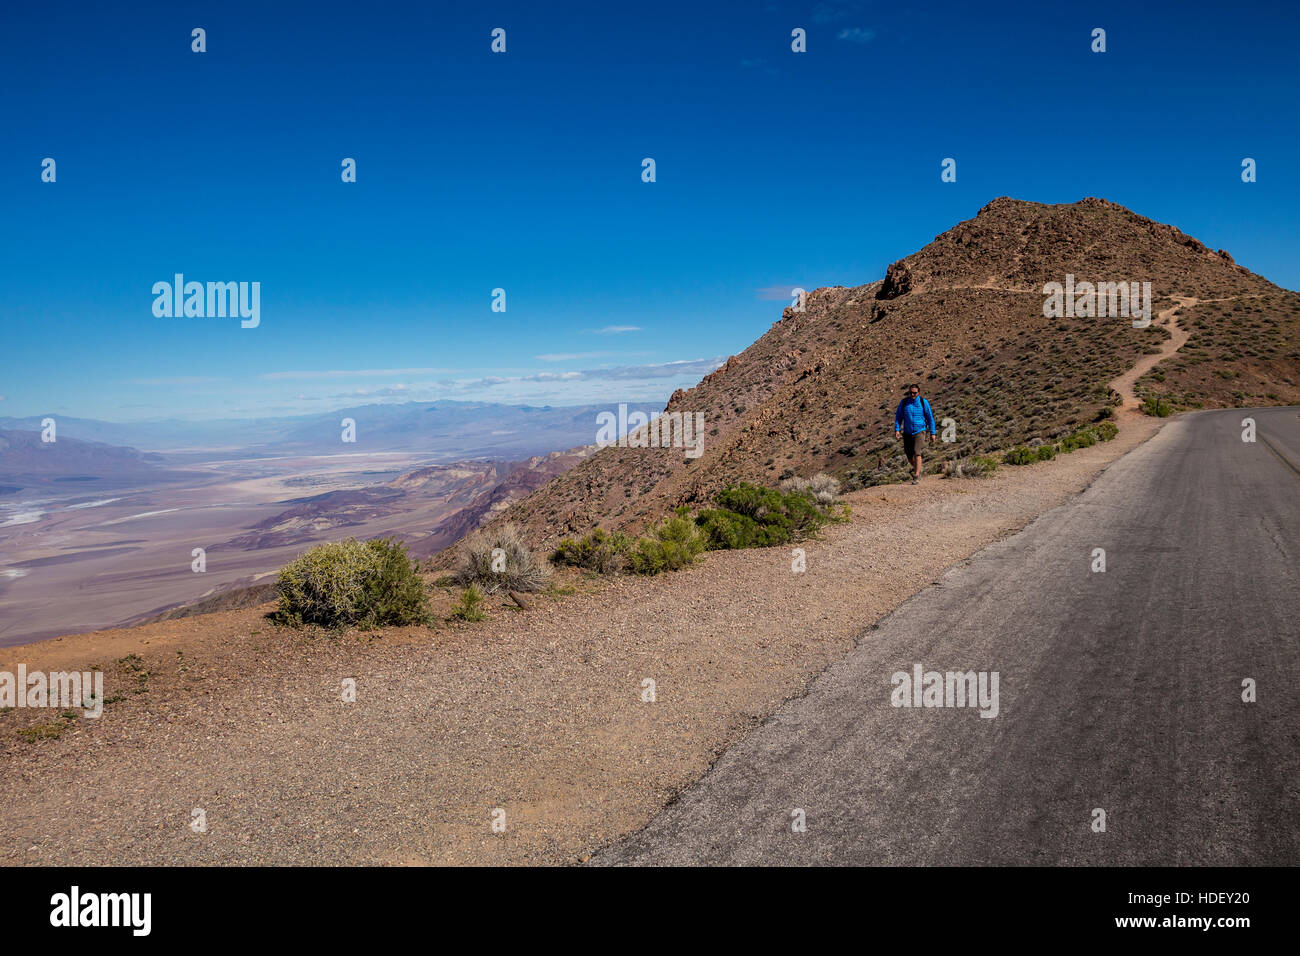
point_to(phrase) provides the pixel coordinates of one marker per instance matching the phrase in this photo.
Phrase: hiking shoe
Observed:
(916, 480)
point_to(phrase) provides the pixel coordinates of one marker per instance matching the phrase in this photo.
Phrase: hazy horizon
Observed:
(266, 416)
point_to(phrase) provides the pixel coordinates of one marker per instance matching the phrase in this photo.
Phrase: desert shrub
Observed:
(603, 551)
(498, 560)
(728, 529)
(672, 544)
(1083, 438)
(1086, 437)
(470, 605)
(976, 466)
(1020, 456)
(352, 583)
(1046, 452)
(1155, 405)
(823, 487)
(786, 514)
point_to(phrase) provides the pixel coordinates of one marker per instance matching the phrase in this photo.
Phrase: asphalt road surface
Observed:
(1120, 691)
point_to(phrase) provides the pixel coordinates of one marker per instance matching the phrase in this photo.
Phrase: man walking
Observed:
(912, 420)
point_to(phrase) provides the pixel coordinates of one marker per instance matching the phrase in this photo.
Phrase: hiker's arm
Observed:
(929, 413)
(898, 418)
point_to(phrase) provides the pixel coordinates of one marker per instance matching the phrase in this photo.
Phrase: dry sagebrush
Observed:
(822, 487)
(498, 560)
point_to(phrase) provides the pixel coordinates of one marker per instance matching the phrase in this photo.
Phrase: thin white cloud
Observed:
(856, 35)
(688, 367)
(617, 329)
(652, 382)
(775, 293)
(828, 12)
(571, 356)
(353, 373)
(180, 380)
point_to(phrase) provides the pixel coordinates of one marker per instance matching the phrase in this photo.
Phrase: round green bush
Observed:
(352, 584)
(672, 544)
(602, 551)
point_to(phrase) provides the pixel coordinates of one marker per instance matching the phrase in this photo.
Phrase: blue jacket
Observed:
(914, 415)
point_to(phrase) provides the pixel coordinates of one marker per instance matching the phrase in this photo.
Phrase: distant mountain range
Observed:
(444, 430)
(26, 461)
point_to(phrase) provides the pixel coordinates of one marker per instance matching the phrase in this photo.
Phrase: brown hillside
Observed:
(1242, 352)
(964, 315)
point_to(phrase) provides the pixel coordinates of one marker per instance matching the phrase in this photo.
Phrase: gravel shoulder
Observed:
(538, 712)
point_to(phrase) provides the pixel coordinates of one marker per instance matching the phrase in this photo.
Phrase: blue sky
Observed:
(522, 171)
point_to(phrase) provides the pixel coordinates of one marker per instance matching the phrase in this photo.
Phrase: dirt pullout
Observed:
(538, 713)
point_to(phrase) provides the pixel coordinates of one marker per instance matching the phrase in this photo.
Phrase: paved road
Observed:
(1119, 690)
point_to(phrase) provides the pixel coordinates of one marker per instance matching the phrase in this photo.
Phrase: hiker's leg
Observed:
(918, 466)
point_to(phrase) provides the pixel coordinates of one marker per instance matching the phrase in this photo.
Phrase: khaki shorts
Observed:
(913, 445)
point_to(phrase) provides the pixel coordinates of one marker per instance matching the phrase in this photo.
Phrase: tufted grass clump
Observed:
(352, 584)
(823, 487)
(499, 560)
(976, 466)
(470, 605)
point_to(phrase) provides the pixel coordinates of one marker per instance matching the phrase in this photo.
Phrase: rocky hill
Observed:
(965, 317)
